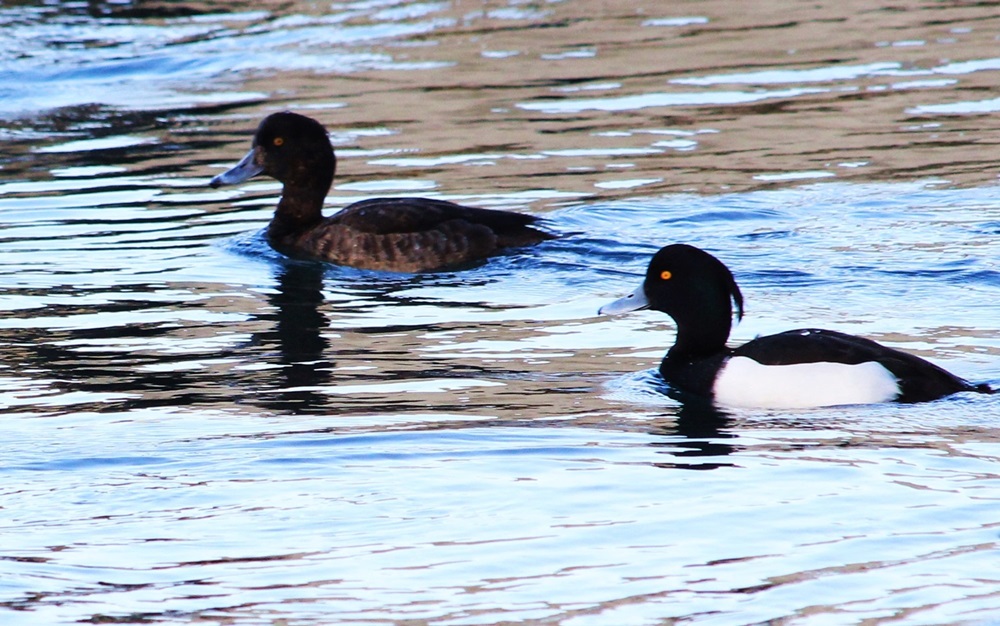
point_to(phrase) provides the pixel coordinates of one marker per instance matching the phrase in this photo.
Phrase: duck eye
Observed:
(666, 275)
(278, 141)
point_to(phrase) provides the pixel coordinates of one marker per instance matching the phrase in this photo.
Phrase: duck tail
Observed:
(982, 388)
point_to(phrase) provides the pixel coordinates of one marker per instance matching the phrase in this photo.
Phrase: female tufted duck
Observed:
(393, 234)
(794, 369)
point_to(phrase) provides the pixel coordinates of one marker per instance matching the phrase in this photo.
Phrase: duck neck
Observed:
(299, 209)
(701, 334)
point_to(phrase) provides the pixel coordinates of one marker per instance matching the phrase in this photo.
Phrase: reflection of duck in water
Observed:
(704, 439)
(296, 340)
(298, 320)
(794, 369)
(394, 234)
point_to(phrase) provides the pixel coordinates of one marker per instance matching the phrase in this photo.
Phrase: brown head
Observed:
(295, 150)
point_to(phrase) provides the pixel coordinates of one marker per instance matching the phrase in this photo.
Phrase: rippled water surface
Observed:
(198, 430)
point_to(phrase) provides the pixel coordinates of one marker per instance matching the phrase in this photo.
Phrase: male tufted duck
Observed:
(794, 369)
(393, 234)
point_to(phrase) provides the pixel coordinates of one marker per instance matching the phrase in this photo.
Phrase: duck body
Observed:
(406, 235)
(795, 369)
(391, 234)
(810, 368)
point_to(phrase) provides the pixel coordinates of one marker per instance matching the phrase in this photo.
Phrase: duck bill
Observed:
(635, 301)
(247, 168)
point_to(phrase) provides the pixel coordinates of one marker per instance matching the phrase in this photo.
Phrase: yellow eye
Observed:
(278, 141)
(666, 275)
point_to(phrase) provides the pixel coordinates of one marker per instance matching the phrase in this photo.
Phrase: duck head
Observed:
(694, 288)
(292, 148)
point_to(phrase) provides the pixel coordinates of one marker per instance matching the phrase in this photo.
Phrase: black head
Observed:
(694, 288)
(289, 147)
(684, 277)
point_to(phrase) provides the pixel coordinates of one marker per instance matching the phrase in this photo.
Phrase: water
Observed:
(199, 430)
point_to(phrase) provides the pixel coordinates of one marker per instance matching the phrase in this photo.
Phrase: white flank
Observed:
(743, 382)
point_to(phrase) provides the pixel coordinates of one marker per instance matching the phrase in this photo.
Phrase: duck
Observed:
(390, 234)
(796, 369)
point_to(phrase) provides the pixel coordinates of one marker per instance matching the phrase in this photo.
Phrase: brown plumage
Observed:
(393, 234)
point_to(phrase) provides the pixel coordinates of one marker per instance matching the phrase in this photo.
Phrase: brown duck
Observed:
(392, 234)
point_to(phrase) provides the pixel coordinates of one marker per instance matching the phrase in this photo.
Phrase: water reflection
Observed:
(697, 435)
(296, 331)
(114, 361)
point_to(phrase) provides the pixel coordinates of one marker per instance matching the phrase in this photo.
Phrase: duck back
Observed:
(410, 235)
